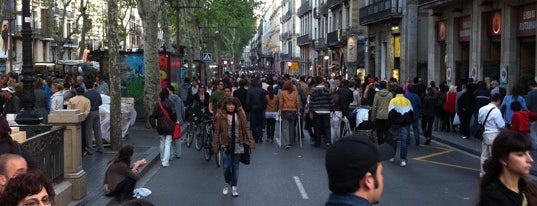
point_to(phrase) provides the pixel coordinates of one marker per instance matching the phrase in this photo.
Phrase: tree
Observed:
(149, 10)
(113, 69)
(235, 21)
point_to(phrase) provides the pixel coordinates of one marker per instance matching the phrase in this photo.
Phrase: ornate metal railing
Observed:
(303, 9)
(46, 150)
(381, 10)
(333, 3)
(304, 40)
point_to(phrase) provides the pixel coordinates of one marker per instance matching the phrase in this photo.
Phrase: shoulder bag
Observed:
(481, 129)
(177, 131)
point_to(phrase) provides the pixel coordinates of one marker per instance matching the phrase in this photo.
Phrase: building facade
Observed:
(481, 39)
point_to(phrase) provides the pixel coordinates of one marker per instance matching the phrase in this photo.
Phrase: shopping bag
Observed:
(177, 132)
(456, 120)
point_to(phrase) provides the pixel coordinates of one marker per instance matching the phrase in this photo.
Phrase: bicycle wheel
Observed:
(190, 135)
(207, 148)
(199, 142)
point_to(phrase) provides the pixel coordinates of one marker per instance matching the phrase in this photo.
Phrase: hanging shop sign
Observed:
(494, 20)
(441, 31)
(465, 29)
(503, 74)
(526, 20)
(449, 73)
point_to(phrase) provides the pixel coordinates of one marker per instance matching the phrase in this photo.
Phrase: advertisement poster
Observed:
(4, 42)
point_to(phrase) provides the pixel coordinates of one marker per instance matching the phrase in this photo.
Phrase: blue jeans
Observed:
(400, 132)
(416, 129)
(230, 164)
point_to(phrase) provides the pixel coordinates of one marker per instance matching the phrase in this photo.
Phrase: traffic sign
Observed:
(207, 57)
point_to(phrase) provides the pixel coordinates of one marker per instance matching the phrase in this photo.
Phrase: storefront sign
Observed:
(441, 31)
(351, 49)
(449, 73)
(465, 29)
(526, 20)
(494, 23)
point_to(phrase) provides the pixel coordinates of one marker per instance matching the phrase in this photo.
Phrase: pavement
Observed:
(146, 145)
(470, 145)
(146, 142)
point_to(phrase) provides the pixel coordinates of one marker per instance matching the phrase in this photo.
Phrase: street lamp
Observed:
(326, 58)
(289, 67)
(28, 113)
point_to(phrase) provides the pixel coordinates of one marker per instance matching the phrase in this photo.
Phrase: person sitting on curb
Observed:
(119, 179)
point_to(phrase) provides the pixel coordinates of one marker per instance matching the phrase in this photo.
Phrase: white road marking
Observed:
(301, 188)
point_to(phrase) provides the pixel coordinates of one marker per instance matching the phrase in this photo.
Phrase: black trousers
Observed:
(383, 132)
(427, 126)
(271, 126)
(123, 190)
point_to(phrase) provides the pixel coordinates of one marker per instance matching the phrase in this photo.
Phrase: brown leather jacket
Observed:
(221, 133)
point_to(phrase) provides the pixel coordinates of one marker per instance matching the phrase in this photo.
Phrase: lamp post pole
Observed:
(28, 114)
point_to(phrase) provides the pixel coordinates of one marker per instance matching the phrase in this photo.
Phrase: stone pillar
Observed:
(510, 47)
(73, 171)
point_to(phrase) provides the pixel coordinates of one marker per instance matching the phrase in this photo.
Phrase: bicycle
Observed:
(195, 130)
(206, 135)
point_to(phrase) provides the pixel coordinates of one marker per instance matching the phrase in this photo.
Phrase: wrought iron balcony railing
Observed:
(334, 3)
(320, 44)
(304, 40)
(379, 11)
(333, 38)
(303, 9)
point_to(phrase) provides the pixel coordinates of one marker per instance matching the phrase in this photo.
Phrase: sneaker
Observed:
(234, 191)
(392, 159)
(225, 191)
(403, 163)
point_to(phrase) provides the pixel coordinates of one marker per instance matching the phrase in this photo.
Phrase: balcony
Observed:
(71, 43)
(432, 4)
(334, 38)
(320, 44)
(284, 56)
(334, 3)
(303, 40)
(284, 36)
(380, 11)
(303, 9)
(286, 17)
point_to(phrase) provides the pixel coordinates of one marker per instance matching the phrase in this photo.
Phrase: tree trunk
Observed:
(166, 30)
(84, 14)
(149, 11)
(115, 81)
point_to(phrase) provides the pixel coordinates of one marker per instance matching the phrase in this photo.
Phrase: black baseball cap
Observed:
(355, 155)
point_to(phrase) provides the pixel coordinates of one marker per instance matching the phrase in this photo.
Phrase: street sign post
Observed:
(207, 57)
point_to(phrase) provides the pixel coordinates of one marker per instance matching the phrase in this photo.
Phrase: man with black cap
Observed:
(354, 167)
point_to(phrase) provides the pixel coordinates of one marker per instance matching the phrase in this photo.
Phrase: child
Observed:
(520, 122)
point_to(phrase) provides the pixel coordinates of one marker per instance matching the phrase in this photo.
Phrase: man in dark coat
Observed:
(256, 102)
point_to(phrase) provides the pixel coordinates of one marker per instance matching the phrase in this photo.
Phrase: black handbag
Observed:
(245, 157)
(481, 129)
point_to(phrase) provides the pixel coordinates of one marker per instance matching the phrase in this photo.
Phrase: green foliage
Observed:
(234, 19)
(135, 87)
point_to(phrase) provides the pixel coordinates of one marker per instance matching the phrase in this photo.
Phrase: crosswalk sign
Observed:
(207, 57)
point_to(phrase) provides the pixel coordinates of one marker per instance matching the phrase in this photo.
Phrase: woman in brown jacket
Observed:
(230, 133)
(289, 105)
(271, 111)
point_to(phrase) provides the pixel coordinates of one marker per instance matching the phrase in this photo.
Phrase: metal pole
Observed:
(28, 114)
